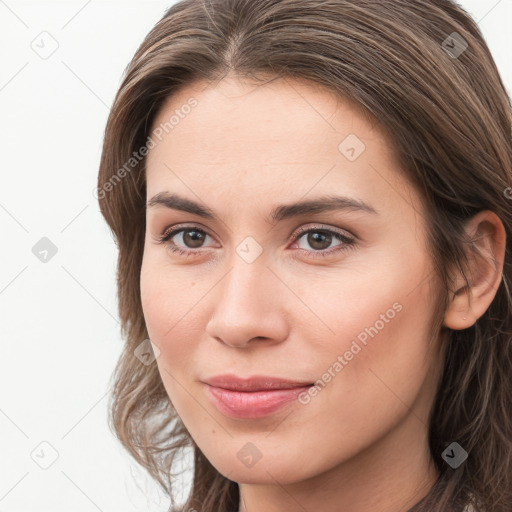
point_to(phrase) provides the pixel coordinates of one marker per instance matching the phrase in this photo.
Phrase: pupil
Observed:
(196, 238)
(316, 237)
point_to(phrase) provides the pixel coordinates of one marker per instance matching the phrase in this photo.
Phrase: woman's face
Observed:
(339, 293)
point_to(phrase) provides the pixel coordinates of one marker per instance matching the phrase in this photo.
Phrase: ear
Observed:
(486, 254)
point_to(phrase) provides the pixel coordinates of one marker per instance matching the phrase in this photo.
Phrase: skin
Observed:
(361, 443)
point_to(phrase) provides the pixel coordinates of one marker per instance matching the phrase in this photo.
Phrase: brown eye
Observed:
(186, 240)
(193, 238)
(319, 240)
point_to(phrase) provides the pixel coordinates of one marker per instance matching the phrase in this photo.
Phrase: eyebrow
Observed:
(279, 213)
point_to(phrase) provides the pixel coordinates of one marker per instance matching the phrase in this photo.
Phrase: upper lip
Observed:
(255, 383)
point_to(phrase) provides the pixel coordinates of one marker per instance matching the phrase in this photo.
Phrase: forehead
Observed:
(243, 110)
(281, 137)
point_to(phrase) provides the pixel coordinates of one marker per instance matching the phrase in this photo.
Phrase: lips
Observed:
(252, 398)
(256, 383)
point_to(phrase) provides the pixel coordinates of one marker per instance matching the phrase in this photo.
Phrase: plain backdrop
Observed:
(61, 65)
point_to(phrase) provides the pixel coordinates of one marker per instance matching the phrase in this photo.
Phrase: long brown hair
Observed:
(424, 71)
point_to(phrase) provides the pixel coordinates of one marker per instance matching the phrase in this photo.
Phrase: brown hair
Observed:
(449, 115)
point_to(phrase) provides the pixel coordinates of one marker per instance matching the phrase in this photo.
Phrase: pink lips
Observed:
(252, 398)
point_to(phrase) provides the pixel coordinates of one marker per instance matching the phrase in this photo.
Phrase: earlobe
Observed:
(486, 254)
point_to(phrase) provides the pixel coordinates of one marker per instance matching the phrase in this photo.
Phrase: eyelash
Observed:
(348, 242)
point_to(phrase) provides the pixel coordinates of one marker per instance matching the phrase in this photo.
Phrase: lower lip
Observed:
(252, 405)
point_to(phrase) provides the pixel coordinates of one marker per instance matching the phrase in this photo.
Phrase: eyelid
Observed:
(179, 227)
(172, 231)
(299, 231)
(347, 239)
(320, 227)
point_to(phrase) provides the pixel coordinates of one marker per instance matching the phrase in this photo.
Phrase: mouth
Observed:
(252, 398)
(256, 383)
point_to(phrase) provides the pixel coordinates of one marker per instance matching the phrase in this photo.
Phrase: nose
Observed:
(250, 305)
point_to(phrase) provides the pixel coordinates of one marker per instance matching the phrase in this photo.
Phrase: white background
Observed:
(59, 327)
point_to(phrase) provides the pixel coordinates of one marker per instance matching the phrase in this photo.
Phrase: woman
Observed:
(312, 204)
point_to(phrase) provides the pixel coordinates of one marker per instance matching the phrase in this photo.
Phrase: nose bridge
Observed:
(245, 292)
(246, 285)
(247, 304)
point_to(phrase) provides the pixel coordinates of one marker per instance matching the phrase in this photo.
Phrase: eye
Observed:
(191, 239)
(321, 239)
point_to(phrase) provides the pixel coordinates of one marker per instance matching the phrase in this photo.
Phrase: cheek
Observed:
(168, 294)
(166, 298)
(173, 303)
(163, 309)
(386, 360)
(378, 352)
